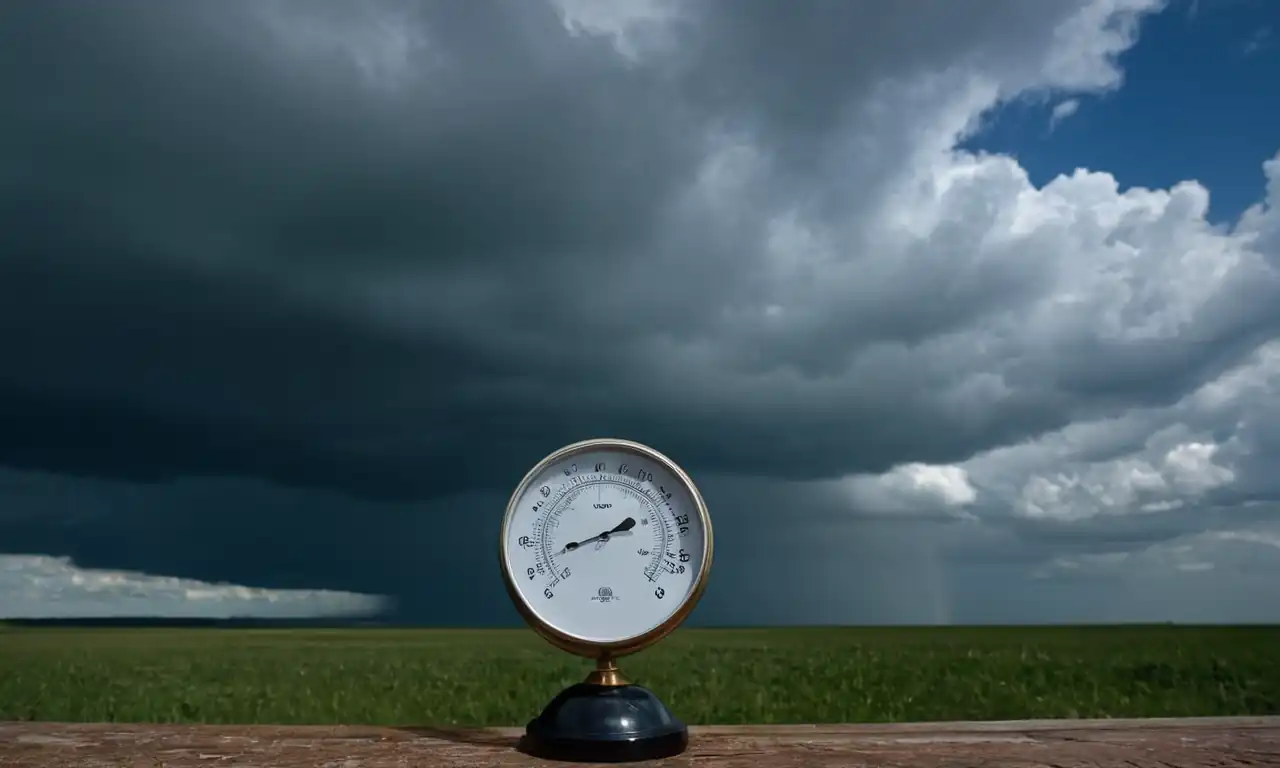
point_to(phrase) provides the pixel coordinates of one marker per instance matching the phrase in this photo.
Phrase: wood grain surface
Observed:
(1223, 742)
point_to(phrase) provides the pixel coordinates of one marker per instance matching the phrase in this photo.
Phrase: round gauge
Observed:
(606, 547)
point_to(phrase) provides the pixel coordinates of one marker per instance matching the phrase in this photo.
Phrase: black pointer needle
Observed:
(625, 525)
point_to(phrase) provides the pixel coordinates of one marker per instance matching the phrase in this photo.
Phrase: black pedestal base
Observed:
(605, 724)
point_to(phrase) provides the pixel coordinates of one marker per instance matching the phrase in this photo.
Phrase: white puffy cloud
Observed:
(1125, 486)
(1062, 110)
(912, 489)
(41, 586)
(1131, 281)
(1212, 447)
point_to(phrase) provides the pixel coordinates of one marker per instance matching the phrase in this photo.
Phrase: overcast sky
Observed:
(292, 292)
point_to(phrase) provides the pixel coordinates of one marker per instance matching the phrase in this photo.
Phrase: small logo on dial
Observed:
(604, 595)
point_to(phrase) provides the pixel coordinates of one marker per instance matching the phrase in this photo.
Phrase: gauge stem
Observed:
(607, 673)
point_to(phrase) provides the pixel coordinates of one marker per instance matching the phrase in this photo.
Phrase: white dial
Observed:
(604, 542)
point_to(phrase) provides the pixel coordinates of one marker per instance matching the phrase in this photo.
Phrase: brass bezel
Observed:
(604, 652)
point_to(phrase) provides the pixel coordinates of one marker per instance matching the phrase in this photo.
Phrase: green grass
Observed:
(500, 677)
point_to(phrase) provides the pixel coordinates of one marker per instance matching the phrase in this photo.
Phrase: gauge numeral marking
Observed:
(524, 541)
(683, 522)
(532, 573)
(564, 574)
(660, 593)
(572, 469)
(548, 593)
(643, 552)
(644, 477)
(684, 556)
(599, 466)
(545, 491)
(622, 469)
(665, 493)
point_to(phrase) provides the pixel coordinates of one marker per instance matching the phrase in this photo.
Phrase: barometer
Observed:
(605, 550)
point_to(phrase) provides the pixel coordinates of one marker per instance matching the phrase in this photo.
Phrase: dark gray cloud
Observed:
(292, 292)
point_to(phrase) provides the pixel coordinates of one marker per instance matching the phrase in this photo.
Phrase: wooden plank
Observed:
(1175, 743)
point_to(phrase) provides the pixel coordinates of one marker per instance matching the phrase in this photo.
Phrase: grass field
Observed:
(503, 677)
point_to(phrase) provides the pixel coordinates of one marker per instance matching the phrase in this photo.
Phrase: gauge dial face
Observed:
(605, 543)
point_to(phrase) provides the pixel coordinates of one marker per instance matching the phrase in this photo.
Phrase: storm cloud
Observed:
(292, 293)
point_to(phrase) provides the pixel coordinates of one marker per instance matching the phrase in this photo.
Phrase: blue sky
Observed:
(1200, 100)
